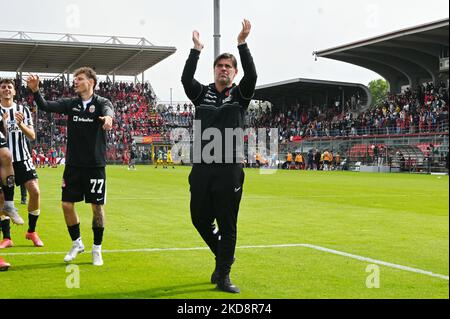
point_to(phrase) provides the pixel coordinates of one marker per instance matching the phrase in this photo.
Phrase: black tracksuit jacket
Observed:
(220, 110)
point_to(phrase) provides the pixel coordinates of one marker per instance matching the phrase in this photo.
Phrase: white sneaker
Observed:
(12, 212)
(76, 249)
(97, 259)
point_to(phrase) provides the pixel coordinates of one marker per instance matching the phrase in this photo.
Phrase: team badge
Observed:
(91, 109)
(63, 183)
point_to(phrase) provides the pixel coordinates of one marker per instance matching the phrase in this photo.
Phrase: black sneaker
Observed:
(226, 285)
(23, 201)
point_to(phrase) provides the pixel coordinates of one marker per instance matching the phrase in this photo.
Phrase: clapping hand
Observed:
(196, 39)
(246, 27)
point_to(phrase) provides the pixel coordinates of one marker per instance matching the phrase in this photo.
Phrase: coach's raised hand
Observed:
(196, 39)
(33, 82)
(246, 27)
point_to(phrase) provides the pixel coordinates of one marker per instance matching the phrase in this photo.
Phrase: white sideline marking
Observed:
(332, 251)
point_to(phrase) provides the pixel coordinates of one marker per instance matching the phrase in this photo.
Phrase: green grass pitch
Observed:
(396, 218)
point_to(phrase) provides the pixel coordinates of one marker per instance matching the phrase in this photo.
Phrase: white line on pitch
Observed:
(379, 262)
(332, 251)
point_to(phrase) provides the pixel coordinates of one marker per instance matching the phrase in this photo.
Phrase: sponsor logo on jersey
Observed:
(82, 119)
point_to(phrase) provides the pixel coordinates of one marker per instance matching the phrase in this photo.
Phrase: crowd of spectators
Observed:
(137, 113)
(424, 110)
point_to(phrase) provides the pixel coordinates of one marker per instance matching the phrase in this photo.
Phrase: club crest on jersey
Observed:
(92, 109)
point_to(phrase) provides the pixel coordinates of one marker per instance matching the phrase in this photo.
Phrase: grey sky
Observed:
(283, 36)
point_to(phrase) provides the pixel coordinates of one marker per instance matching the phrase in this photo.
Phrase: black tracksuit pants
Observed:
(216, 191)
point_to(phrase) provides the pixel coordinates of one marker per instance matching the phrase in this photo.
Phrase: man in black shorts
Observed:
(19, 126)
(89, 116)
(216, 186)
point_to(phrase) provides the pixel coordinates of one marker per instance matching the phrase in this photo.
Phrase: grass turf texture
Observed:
(397, 218)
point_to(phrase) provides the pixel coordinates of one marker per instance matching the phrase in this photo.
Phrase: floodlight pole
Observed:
(216, 28)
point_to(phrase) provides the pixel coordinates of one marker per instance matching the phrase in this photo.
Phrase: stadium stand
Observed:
(422, 113)
(408, 130)
(55, 60)
(411, 126)
(136, 114)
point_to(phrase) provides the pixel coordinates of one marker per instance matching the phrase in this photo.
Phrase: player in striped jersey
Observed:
(7, 209)
(20, 127)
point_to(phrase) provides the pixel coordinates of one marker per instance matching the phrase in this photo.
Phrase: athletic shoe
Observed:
(4, 265)
(6, 243)
(23, 201)
(225, 284)
(97, 259)
(12, 212)
(35, 238)
(77, 248)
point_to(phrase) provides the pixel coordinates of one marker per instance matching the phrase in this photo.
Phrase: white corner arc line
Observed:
(315, 247)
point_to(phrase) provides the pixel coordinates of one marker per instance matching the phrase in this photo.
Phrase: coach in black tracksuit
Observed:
(89, 116)
(216, 181)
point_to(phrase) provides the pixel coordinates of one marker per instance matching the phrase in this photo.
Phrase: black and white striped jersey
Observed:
(16, 139)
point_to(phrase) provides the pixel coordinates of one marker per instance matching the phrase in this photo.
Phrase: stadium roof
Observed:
(403, 57)
(25, 54)
(309, 91)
